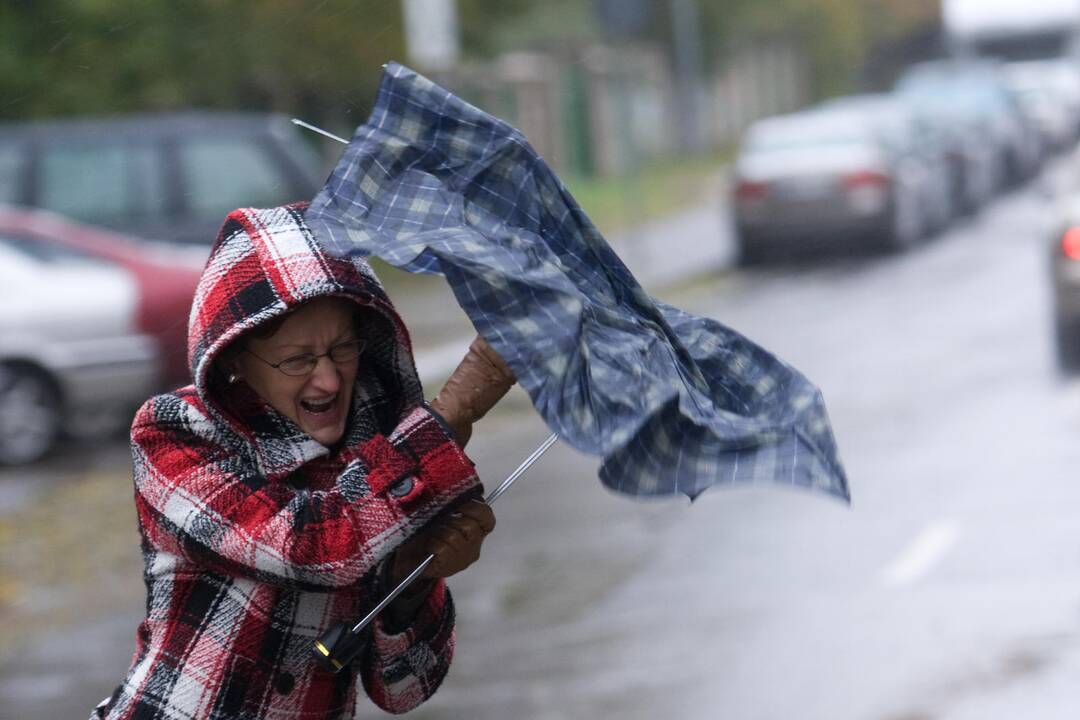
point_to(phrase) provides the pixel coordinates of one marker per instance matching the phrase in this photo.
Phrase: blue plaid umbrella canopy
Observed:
(672, 402)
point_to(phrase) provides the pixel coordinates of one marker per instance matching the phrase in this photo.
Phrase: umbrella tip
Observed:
(309, 126)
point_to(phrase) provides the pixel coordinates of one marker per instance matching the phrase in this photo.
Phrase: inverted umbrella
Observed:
(671, 402)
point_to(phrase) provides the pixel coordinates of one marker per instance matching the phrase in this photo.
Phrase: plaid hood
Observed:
(266, 263)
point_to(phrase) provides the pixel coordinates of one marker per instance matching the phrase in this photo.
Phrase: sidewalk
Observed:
(660, 254)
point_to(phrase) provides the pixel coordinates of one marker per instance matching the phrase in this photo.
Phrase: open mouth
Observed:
(318, 408)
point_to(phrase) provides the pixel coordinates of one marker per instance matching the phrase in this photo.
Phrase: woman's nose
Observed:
(325, 376)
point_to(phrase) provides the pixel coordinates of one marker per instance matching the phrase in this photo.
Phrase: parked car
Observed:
(821, 176)
(974, 95)
(166, 177)
(915, 143)
(1049, 93)
(91, 324)
(1064, 251)
(973, 169)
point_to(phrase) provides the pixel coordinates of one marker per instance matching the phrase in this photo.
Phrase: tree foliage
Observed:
(322, 58)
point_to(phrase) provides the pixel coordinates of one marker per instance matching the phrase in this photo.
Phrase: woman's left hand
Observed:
(454, 540)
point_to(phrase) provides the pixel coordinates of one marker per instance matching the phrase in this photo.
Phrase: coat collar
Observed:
(278, 444)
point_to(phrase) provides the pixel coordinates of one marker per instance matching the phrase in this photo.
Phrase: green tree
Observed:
(322, 59)
(63, 57)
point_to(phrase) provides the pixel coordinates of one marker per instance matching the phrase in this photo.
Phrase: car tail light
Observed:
(1070, 243)
(750, 190)
(865, 178)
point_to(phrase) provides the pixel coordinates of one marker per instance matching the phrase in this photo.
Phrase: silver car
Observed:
(1048, 92)
(69, 351)
(914, 141)
(822, 177)
(975, 95)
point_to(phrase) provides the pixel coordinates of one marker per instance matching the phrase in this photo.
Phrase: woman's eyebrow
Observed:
(339, 337)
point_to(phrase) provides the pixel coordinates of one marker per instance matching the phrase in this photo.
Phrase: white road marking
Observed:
(925, 551)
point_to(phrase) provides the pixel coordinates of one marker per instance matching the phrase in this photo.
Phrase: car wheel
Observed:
(750, 257)
(898, 232)
(1068, 346)
(749, 249)
(29, 415)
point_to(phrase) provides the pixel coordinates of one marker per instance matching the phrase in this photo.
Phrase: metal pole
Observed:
(686, 38)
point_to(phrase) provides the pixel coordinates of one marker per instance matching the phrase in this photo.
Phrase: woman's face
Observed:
(319, 401)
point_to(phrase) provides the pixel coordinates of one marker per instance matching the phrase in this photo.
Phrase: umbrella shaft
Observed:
(393, 594)
(490, 500)
(505, 484)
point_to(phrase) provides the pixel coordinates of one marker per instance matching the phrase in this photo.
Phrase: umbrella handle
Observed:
(337, 647)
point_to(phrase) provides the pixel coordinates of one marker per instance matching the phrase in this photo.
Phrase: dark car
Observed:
(169, 177)
(1064, 249)
(1065, 272)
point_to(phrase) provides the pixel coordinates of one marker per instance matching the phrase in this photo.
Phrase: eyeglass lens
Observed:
(303, 364)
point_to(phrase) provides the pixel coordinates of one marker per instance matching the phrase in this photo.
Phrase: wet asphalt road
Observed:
(949, 590)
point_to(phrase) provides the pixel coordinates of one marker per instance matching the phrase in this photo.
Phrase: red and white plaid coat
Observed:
(257, 538)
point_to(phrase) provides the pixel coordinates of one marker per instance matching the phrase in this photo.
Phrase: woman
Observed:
(298, 479)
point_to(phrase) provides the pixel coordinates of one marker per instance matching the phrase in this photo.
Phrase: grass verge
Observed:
(655, 191)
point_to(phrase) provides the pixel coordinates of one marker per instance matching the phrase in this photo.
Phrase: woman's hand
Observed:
(480, 381)
(454, 540)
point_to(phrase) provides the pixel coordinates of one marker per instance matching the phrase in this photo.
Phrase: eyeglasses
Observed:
(300, 365)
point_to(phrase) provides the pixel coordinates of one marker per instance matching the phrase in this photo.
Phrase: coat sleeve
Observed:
(199, 497)
(402, 670)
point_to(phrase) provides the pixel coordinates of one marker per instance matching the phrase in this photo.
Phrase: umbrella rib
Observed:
(308, 126)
